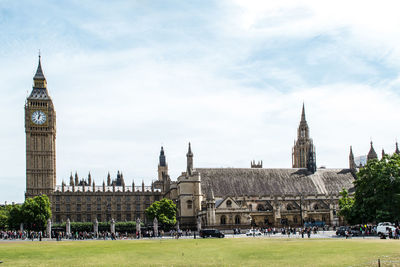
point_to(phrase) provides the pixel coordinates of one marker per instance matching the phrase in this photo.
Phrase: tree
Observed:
(4, 214)
(35, 212)
(377, 194)
(164, 210)
(14, 216)
(346, 204)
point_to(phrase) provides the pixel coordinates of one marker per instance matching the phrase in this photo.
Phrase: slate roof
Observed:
(39, 93)
(272, 182)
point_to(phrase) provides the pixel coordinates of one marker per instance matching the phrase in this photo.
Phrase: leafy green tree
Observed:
(377, 195)
(4, 214)
(15, 217)
(346, 204)
(164, 210)
(35, 212)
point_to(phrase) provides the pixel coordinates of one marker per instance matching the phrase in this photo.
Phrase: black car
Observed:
(341, 231)
(211, 233)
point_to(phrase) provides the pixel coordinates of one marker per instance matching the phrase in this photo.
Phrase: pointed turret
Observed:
(39, 72)
(300, 151)
(397, 151)
(76, 178)
(162, 158)
(71, 180)
(303, 114)
(89, 179)
(39, 84)
(352, 163)
(108, 179)
(383, 153)
(162, 165)
(189, 157)
(371, 154)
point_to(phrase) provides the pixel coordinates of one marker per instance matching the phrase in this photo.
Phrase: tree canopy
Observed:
(33, 213)
(164, 210)
(377, 193)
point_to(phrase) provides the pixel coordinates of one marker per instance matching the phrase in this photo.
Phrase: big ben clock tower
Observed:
(40, 129)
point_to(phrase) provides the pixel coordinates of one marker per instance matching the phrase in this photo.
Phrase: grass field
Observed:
(203, 252)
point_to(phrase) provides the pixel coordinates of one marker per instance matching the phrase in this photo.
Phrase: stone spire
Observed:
(397, 151)
(352, 163)
(162, 165)
(39, 72)
(108, 179)
(89, 179)
(371, 154)
(162, 158)
(300, 151)
(71, 180)
(39, 90)
(383, 153)
(303, 114)
(76, 178)
(189, 157)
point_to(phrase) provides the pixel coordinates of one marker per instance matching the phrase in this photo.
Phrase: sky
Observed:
(127, 77)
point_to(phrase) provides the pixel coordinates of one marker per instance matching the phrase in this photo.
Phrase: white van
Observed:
(383, 228)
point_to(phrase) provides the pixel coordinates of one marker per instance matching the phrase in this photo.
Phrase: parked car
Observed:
(211, 233)
(341, 231)
(253, 232)
(352, 231)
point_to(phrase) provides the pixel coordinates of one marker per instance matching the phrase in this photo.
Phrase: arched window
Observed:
(237, 219)
(223, 219)
(289, 207)
(228, 204)
(189, 204)
(316, 207)
(250, 207)
(260, 207)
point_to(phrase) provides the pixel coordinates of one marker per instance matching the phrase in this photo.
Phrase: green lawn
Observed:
(203, 252)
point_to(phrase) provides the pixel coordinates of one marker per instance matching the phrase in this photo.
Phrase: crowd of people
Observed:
(366, 230)
(22, 235)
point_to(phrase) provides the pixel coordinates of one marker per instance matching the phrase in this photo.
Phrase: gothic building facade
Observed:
(210, 197)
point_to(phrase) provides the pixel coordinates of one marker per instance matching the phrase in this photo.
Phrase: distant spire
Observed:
(189, 157)
(39, 72)
(303, 114)
(108, 179)
(372, 154)
(76, 178)
(352, 163)
(89, 179)
(190, 150)
(397, 151)
(162, 157)
(383, 153)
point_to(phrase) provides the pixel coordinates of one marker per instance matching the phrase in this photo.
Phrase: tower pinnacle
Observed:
(189, 157)
(303, 114)
(39, 72)
(372, 154)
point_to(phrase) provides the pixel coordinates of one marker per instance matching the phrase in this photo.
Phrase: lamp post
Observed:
(301, 210)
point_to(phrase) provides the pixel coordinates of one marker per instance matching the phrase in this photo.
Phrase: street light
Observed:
(301, 210)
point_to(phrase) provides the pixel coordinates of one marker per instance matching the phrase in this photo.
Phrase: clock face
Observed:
(38, 117)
